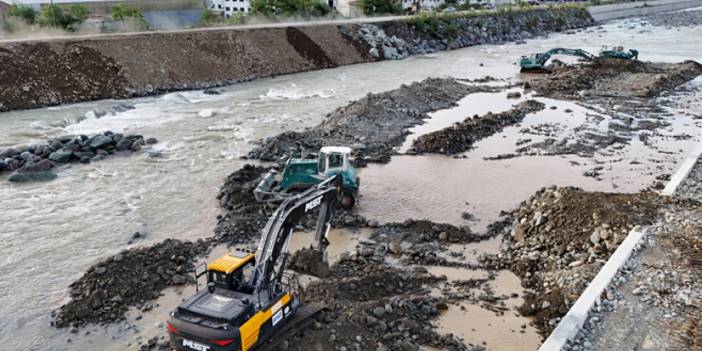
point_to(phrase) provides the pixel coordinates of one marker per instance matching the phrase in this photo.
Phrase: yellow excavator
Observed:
(250, 302)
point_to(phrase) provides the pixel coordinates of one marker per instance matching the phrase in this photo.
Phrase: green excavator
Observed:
(536, 62)
(618, 52)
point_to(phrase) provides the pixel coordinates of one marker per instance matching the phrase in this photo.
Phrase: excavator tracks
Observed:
(301, 320)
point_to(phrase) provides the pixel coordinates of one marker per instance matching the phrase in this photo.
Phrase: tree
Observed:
(381, 7)
(53, 15)
(26, 13)
(122, 12)
(305, 8)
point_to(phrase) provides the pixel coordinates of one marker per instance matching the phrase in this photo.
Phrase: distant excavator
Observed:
(619, 52)
(536, 62)
(249, 302)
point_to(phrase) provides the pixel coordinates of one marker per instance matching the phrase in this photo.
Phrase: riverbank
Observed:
(55, 72)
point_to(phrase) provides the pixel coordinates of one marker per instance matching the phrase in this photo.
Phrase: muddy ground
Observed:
(461, 136)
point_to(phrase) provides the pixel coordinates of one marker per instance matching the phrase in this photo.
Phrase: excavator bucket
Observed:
(309, 261)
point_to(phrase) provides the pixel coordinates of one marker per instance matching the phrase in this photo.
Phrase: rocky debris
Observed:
(561, 238)
(373, 306)
(674, 19)
(243, 216)
(614, 79)
(35, 162)
(691, 186)
(373, 125)
(661, 283)
(428, 34)
(381, 46)
(131, 278)
(461, 136)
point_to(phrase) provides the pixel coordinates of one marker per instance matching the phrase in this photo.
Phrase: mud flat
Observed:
(47, 73)
(461, 136)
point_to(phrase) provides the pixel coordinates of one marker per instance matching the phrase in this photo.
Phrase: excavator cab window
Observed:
(221, 280)
(336, 161)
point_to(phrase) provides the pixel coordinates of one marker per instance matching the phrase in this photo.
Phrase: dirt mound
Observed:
(373, 125)
(373, 306)
(131, 278)
(614, 78)
(561, 238)
(461, 136)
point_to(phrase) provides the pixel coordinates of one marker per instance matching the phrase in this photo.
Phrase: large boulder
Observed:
(40, 166)
(32, 177)
(61, 156)
(100, 141)
(124, 144)
(3, 165)
(9, 153)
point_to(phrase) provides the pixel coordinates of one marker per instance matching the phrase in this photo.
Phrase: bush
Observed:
(53, 15)
(305, 8)
(381, 7)
(210, 17)
(132, 14)
(23, 12)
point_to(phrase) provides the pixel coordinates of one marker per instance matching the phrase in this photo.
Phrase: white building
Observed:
(229, 7)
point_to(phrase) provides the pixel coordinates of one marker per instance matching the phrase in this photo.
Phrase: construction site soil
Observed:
(560, 240)
(380, 296)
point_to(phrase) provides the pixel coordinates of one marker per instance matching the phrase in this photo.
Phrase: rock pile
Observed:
(373, 125)
(373, 306)
(243, 217)
(428, 34)
(561, 238)
(130, 278)
(460, 137)
(674, 19)
(35, 162)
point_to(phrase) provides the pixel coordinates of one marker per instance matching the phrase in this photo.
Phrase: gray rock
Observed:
(595, 237)
(123, 145)
(379, 312)
(374, 53)
(101, 270)
(100, 141)
(61, 156)
(41, 166)
(32, 177)
(152, 141)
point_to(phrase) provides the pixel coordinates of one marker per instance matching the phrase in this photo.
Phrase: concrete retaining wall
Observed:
(639, 8)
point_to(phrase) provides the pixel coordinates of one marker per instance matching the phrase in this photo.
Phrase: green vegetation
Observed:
(51, 15)
(288, 8)
(213, 18)
(381, 7)
(126, 13)
(23, 12)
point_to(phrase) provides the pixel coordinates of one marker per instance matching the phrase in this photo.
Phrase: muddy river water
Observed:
(51, 232)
